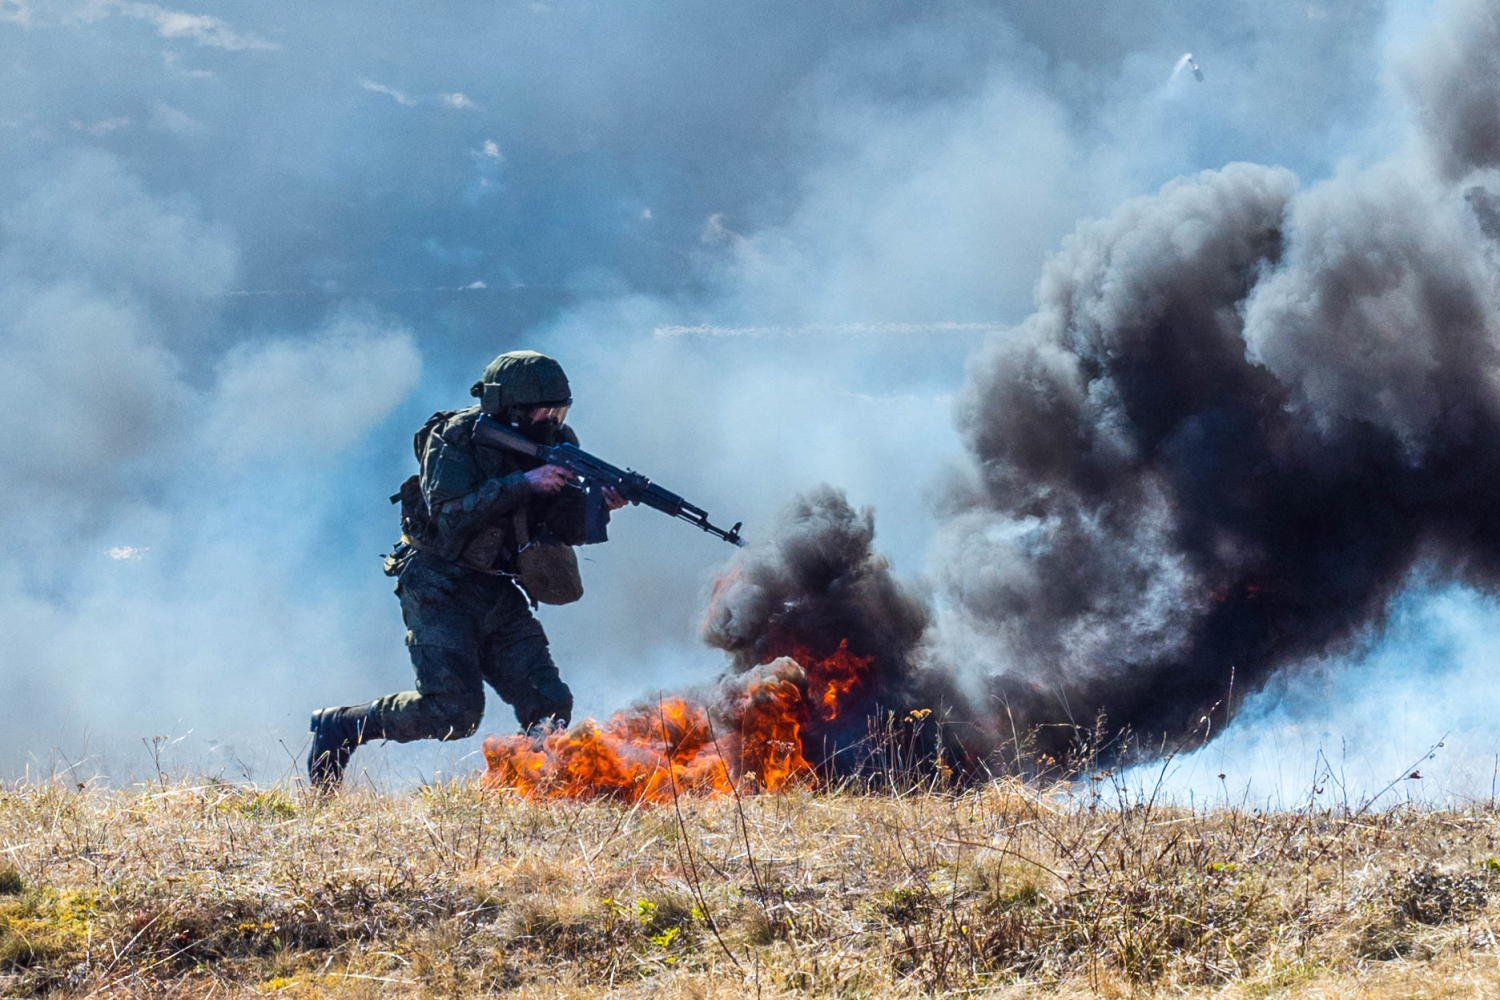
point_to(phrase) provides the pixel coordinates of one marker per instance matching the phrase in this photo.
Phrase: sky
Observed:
(247, 248)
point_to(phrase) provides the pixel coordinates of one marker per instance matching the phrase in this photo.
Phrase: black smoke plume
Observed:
(1240, 419)
(815, 584)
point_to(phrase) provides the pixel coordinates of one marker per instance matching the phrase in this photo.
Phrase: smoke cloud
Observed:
(1240, 417)
(1449, 74)
(817, 576)
(816, 585)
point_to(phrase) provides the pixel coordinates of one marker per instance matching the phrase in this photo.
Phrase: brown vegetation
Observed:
(217, 890)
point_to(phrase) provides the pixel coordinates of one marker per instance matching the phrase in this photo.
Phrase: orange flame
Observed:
(635, 756)
(752, 741)
(773, 718)
(834, 675)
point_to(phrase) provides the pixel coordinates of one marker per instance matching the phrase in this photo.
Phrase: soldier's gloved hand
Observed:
(613, 500)
(549, 478)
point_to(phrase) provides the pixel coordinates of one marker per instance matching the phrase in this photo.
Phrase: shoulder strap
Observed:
(518, 523)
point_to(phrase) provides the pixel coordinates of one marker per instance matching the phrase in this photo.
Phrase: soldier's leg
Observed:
(442, 620)
(443, 617)
(518, 663)
(447, 704)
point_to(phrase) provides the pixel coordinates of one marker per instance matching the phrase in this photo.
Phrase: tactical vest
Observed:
(532, 542)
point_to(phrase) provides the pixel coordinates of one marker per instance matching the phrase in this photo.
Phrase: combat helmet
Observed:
(521, 378)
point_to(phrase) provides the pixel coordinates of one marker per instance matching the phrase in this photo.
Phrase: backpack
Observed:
(416, 520)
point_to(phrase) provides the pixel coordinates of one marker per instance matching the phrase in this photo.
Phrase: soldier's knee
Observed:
(451, 700)
(441, 717)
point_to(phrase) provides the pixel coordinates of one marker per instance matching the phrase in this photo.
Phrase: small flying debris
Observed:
(1188, 62)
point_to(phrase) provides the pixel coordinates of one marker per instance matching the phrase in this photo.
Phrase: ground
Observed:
(210, 889)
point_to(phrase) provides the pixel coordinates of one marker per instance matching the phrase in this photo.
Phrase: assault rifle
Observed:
(594, 474)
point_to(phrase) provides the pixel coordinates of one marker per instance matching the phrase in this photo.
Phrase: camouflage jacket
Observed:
(478, 502)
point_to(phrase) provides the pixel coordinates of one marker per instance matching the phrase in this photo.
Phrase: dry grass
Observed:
(218, 890)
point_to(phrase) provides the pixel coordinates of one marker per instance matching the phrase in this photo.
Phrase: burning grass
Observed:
(758, 732)
(656, 752)
(455, 890)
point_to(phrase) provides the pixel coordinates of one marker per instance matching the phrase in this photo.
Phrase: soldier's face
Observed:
(554, 415)
(540, 423)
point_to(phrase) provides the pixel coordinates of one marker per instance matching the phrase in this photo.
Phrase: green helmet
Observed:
(522, 378)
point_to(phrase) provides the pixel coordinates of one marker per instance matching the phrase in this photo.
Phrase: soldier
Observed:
(485, 535)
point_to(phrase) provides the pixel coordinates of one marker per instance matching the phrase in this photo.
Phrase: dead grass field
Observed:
(451, 891)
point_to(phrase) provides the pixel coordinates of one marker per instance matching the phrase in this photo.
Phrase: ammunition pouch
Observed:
(547, 568)
(549, 572)
(578, 516)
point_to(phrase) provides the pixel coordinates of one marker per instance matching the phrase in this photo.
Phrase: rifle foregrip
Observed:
(595, 515)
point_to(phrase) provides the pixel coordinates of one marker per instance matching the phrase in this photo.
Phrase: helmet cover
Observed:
(522, 378)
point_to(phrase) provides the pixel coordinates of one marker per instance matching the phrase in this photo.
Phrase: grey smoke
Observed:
(1450, 74)
(815, 576)
(1486, 208)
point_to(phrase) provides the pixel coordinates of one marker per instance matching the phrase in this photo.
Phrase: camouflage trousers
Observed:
(465, 629)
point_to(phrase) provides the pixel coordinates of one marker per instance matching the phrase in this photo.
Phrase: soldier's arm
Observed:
(467, 511)
(460, 498)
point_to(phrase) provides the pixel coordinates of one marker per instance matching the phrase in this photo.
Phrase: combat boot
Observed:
(335, 734)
